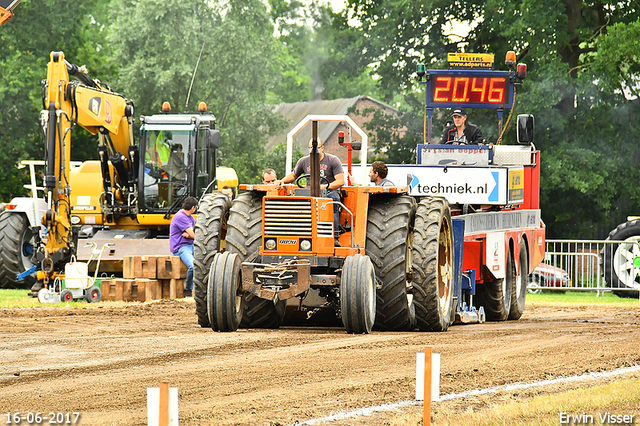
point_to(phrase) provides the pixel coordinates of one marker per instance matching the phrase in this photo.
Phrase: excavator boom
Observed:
(86, 103)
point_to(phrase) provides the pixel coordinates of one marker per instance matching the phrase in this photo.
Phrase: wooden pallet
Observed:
(142, 289)
(153, 267)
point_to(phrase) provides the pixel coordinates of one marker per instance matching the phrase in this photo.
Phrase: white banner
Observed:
(458, 184)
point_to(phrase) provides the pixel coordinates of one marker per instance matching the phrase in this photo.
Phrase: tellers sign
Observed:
(473, 89)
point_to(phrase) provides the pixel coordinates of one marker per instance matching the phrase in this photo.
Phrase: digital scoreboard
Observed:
(469, 89)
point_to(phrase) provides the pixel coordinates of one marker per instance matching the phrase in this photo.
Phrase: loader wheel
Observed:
(621, 263)
(358, 294)
(433, 265)
(519, 290)
(16, 248)
(390, 245)
(495, 296)
(224, 292)
(211, 226)
(244, 236)
(93, 294)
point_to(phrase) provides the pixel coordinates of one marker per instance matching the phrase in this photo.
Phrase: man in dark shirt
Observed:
(331, 170)
(461, 132)
(378, 174)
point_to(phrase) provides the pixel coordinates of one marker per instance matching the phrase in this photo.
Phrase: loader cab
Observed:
(178, 153)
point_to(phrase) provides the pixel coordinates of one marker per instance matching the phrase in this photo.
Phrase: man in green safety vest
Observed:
(163, 148)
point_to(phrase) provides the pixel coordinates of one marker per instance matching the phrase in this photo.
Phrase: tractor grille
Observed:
(325, 229)
(287, 217)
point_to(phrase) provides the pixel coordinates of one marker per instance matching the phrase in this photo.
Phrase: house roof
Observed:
(295, 112)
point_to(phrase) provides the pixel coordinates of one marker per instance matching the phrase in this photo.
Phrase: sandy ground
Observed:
(98, 360)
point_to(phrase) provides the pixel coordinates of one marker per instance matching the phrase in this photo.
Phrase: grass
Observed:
(618, 397)
(581, 298)
(20, 299)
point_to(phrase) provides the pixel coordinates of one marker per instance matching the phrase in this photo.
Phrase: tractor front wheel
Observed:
(621, 263)
(211, 227)
(358, 294)
(244, 236)
(224, 292)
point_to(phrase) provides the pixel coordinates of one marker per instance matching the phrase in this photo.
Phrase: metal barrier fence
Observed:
(589, 265)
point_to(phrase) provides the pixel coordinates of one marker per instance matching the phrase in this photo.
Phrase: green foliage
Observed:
(580, 298)
(37, 29)
(581, 56)
(158, 45)
(616, 64)
(321, 54)
(277, 160)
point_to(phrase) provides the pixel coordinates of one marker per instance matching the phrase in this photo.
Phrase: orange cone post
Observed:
(426, 415)
(164, 403)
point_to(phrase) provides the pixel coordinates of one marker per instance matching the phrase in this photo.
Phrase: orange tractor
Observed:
(393, 268)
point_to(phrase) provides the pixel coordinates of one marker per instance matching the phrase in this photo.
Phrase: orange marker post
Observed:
(164, 402)
(426, 415)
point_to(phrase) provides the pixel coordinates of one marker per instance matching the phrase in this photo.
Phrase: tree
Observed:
(320, 54)
(574, 89)
(159, 45)
(26, 41)
(276, 159)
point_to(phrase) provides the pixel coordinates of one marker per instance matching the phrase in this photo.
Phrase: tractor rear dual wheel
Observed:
(390, 247)
(211, 226)
(433, 265)
(16, 248)
(244, 236)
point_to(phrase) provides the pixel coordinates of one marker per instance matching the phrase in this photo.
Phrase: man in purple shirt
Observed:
(181, 236)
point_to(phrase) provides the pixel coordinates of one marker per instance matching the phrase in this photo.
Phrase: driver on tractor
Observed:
(330, 171)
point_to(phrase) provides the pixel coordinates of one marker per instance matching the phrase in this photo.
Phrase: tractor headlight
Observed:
(75, 220)
(270, 244)
(305, 245)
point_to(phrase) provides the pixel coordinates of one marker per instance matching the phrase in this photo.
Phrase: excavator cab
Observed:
(179, 159)
(165, 167)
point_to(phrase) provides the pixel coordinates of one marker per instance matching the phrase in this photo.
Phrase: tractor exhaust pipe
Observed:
(314, 157)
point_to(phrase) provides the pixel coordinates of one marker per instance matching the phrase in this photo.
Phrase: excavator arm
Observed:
(100, 111)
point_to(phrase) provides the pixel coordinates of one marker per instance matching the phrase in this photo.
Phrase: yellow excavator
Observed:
(6, 9)
(130, 193)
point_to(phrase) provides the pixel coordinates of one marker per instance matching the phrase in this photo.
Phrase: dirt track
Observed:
(98, 360)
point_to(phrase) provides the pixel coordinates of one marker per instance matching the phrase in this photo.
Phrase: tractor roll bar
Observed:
(346, 118)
